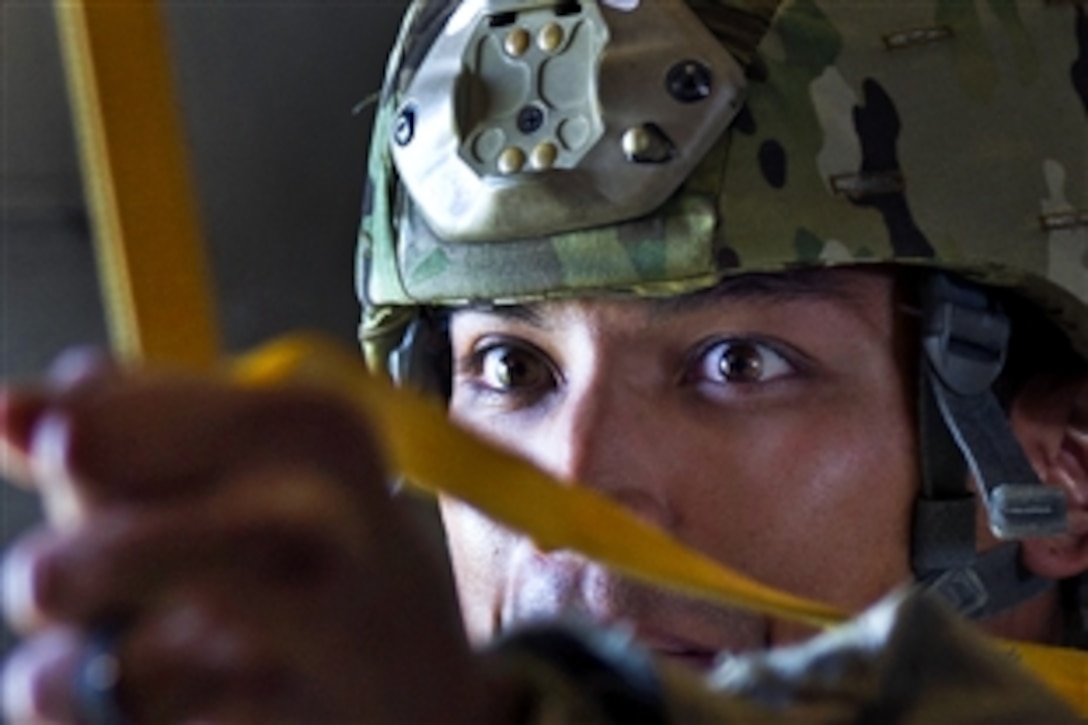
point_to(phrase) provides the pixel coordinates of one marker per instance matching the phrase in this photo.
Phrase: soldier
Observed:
(790, 280)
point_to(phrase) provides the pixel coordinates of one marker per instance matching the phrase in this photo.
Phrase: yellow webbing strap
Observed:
(137, 183)
(1064, 670)
(160, 310)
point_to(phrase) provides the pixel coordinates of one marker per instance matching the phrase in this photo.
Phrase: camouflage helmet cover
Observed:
(949, 133)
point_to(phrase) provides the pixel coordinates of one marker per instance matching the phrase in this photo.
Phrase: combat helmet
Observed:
(535, 149)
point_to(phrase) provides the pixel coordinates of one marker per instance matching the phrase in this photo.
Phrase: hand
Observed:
(243, 541)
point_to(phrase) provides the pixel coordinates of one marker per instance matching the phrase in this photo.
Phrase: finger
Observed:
(161, 438)
(208, 657)
(22, 407)
(278, 530)
(215, 656)
(227, 645)
(195, 662)
(37, 677)
(20, 410)
(211, 653)
(63, 676)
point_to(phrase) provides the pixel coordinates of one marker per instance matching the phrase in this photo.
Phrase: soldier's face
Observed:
(766, 423)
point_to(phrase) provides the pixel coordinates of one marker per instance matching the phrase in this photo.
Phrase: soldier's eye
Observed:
(741, 362)
(507, 367)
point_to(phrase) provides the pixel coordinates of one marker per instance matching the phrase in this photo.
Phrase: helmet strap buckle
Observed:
(963, 428)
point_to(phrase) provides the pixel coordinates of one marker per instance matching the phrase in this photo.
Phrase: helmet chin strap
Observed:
(963, 429)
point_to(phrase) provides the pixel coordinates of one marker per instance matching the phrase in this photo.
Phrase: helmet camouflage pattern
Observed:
(527, 149)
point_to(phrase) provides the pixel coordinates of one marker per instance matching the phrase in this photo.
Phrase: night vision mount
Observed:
(566, 115)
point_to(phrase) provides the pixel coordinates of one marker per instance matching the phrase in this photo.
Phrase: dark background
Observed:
(268, 91)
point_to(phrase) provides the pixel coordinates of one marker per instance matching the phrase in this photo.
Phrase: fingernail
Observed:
(35, 679)
(14, 464)
(49, 465)
(20, 409)
(18, 598)
(78, 364)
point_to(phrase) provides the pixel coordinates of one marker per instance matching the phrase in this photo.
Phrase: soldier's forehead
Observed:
(838, 285)
(812, 283)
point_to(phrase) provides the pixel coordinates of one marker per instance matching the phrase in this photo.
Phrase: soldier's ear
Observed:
(1050, 417)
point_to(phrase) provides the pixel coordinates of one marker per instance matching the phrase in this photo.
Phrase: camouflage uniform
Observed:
(907, 660)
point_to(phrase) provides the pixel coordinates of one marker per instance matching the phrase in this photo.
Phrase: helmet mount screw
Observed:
(690, 81)
(405, 129)
(530, 119)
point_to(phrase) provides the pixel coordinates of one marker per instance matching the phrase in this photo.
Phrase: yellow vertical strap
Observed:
(137, 182)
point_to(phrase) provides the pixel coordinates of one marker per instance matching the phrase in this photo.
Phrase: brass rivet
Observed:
(550, 38)
(517, 42)
(511, 160)
(636, 141)
(544, 156)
